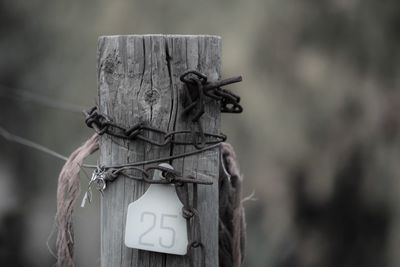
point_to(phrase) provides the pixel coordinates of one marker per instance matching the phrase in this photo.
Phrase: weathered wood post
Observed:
(138, 80)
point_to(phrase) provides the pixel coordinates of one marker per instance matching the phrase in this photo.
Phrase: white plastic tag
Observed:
(154, 222)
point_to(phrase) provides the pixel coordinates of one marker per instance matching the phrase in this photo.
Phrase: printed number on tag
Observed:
(154, 222)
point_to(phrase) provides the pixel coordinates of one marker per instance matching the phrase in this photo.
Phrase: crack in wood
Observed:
(161, 58)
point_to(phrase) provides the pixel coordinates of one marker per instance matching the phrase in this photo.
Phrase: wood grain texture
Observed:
(138, 80)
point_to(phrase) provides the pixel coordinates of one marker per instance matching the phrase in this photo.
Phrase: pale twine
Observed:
(231, 212)
(67, 193)
(232, 226)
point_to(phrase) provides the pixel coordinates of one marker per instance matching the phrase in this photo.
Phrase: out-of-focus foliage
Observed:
(318, 141)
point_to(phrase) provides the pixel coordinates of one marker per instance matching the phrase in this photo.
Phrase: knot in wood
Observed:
(109, 65)
(151, 96)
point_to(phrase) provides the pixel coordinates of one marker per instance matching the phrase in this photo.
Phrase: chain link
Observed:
(103, 175)
(102, 124)
(197, 87)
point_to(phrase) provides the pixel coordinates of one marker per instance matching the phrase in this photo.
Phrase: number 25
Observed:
(163, 226)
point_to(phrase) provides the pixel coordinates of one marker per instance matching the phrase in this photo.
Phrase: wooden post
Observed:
(138, 79)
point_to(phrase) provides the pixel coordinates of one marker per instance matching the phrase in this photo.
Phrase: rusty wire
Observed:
(197, 87)
(103, 175)
(102, 124)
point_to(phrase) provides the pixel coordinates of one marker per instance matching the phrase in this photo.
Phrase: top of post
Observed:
(162, 35)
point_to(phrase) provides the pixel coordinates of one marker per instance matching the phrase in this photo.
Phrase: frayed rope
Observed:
(67, 193)
(231, 212)
(232, 225)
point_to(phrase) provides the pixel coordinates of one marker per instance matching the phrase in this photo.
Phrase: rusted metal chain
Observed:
(102, 124)
(197, 88)
(103, 175)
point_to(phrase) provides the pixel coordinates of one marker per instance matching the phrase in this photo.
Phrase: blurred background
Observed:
(318, 142)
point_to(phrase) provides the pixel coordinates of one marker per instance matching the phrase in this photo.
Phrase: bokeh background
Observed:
(318, 142)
